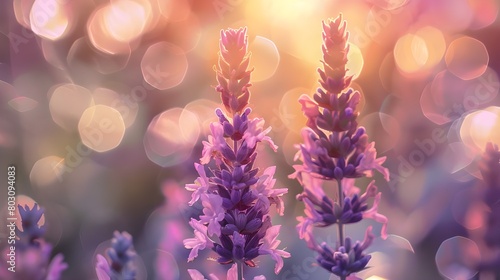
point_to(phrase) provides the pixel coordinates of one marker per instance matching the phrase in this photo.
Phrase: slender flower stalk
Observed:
(490, 169)
(336, 149)
(32, 254)
(120, 263)
(236, 200)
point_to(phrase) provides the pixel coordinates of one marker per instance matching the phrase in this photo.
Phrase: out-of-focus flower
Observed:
(490, 169)
(29, 219)
(32, 254)
(235, 223)
(346, 259)
(335, 148)
(121, 254)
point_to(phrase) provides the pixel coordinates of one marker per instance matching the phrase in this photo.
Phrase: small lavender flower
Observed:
(236, 200)
(121, 256)
(336, 148)
(33, 253)
(30, 218)
(490, 169)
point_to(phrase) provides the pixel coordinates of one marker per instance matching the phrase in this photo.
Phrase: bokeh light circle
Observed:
(265, 58)
(171, 136)
(385, 138)
(23, 104)
(48, 19)
(67, 104)
(485, 12)
(125, 20)
(467, 58)
(289, 110)
(448, 97)
(125, 104)
(164, 65)
(411, 53)
(355, 61)
(100, 37)
(46, 171)
(204, 109)
(457, 257)
(101, 128)
(435, 45)
(480, 127)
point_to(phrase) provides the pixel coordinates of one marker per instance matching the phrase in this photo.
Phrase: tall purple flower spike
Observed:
(236, 197)
(33, 253)
(335, 148)
(490, 169)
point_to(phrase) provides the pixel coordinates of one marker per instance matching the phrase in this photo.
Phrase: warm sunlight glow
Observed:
(48, 19)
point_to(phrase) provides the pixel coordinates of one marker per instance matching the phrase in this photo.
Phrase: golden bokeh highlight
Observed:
(290, 110)
(82, 55)
(276, 17)
(101, 128)
(434, 43)
(204, 110)
(23, 104)
(99, 35)
(67, 104)
(49, 19)
(411, 53)
(164, 65)
(171, 136)
(124, 104)
(125, 20)
(355, 61)
(288, 147)
(375, 277)
(265, 58)
(467, 58)
(46, 171)
(481, 127)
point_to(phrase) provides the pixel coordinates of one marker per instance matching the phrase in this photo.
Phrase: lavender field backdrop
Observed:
(106, 106)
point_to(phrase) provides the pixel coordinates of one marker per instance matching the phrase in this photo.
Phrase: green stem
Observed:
(341, 204)
(239, 267)
(341, 225)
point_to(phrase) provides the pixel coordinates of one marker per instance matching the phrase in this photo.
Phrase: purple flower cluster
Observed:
(32, 251)
(490, 169)
(121, 256)
(236, 199)
(335, 148)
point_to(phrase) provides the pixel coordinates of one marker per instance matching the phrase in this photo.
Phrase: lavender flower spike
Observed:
(33, 252)
(335, 148)
(121, 256)
(236, 219)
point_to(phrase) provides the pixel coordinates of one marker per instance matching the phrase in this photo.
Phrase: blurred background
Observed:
(105, 104)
